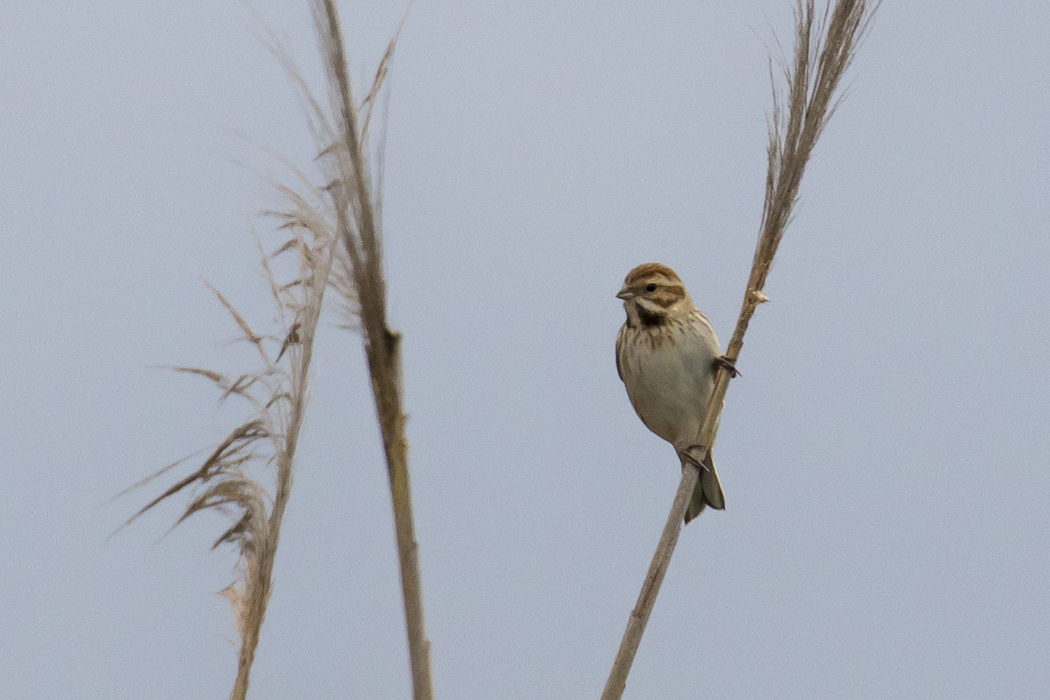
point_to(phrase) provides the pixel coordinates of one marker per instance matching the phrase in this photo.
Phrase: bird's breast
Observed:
(669, 378)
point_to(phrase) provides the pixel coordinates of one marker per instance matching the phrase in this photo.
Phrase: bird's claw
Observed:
(687, 457)
(728, 364)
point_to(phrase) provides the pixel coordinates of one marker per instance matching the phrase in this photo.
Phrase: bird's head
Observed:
(653, 293)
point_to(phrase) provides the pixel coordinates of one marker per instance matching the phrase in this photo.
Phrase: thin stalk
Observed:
(632, 636)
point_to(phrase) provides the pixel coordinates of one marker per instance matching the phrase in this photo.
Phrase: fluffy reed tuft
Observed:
(262, 449)
(796, 123)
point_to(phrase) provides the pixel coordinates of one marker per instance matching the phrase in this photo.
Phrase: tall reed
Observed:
(336, 238)
(796, 123)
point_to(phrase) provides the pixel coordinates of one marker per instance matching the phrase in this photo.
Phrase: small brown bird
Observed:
(666, 355)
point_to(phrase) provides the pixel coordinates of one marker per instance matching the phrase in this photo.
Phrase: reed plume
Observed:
(233, 478)
(823, 52)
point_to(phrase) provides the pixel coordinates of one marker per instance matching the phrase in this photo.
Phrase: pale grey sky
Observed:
(886, 456)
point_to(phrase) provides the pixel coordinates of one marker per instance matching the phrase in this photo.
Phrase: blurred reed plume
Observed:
(233, 478)
(824, 49)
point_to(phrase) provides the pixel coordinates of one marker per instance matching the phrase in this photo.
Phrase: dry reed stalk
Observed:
(819, 63)
(229, 480)
(356, 203)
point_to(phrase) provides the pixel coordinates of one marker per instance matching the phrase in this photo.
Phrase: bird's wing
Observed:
(619, 344)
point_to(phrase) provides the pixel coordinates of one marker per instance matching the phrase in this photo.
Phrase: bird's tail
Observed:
(708, 491)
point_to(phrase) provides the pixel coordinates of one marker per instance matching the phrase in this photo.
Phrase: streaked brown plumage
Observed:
(665, 354)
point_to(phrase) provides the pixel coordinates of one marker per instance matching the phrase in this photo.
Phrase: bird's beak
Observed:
(625, 294)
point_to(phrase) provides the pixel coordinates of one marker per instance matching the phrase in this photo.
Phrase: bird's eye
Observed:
(651, 287)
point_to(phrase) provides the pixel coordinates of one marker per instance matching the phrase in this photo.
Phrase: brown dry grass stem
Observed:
(356, 203)
(820, 60)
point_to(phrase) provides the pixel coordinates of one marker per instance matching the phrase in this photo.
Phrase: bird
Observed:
(667, 355)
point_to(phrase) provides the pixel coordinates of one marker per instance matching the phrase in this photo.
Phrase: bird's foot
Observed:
(687, 456)
(728, 364)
